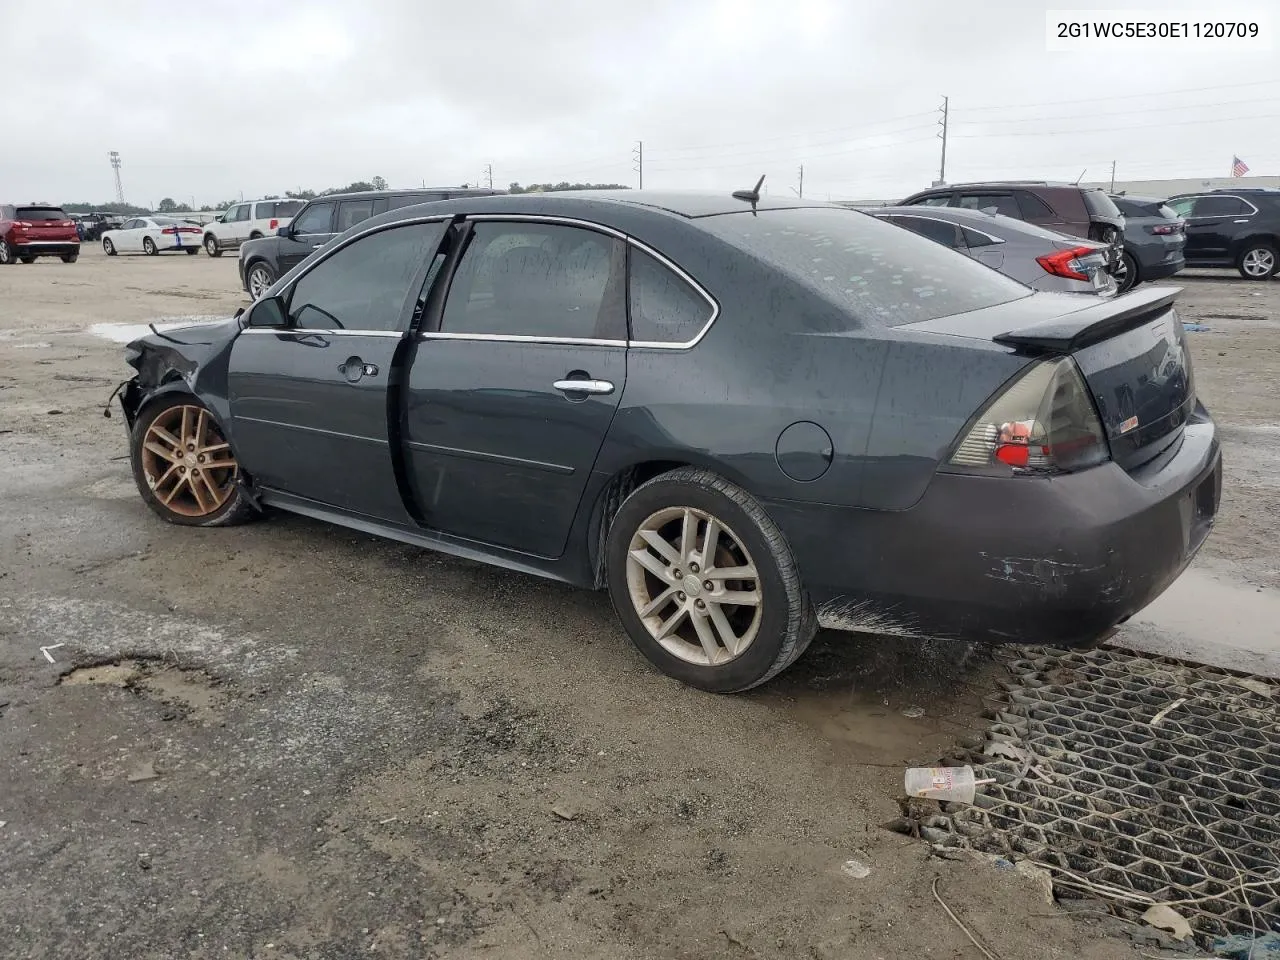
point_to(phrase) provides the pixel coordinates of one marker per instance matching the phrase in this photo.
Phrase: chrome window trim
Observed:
(512, 338)
(310, 332)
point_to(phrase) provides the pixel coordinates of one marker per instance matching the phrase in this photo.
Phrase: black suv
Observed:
(1063, 207)
(1232, 228)
(265, 260)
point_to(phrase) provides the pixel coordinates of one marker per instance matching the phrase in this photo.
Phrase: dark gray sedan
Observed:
(1040, 258)
(742, 418)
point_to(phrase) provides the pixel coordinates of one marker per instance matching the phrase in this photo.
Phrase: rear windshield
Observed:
(40, 213)
(167, 221)
(877, 271)
(1100, 205)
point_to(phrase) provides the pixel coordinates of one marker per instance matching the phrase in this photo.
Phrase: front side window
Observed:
(363, 286)
(315, 219)
(664, 307)
(538, 280)
(241, 212)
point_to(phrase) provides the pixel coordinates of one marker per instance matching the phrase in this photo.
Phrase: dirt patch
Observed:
(193, 693)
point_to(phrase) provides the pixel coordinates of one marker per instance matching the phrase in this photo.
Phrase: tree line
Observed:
(170, 205)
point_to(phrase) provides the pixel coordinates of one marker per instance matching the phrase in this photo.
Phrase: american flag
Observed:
(1238, 167)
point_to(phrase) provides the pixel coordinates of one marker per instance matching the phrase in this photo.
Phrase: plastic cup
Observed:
(955, 784)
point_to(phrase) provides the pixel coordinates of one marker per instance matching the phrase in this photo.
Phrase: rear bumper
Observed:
(1056, 561)
(46, 248)
(1156, 261)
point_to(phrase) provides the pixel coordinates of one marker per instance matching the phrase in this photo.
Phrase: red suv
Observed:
(36, 231)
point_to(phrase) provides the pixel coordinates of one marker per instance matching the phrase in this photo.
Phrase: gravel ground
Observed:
(287, 740)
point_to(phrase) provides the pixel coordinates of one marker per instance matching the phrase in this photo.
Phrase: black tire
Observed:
(268, 277)
(788, 622)
(211, 246)
(1258, 261)
(149, 247)
(70, 257)
(235, 510)
(108, 247)
(6, 254)
(192, 251)
(1131, 277)
(255, 235)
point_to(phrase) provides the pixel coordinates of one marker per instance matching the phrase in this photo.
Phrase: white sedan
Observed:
(150, 235)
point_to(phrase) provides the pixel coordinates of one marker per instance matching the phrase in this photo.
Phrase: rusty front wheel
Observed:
(184, 466)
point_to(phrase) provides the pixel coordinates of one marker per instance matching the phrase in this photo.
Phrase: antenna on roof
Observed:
(752, 196)
(1082, 173)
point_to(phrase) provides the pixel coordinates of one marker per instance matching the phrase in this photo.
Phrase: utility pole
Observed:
(638, 153)
(488, 174)
(945, 110)
(1113, 176)
(115, 166)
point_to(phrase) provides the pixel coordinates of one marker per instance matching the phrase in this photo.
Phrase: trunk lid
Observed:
(1132, 351)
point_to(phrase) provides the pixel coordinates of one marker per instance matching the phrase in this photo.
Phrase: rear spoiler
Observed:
(1094, 323)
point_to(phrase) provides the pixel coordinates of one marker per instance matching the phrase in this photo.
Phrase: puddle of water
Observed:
(108, 675)
(125, 332)
(195, 692)
(1213, 621)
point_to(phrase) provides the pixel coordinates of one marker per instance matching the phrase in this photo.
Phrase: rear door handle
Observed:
(584, 386)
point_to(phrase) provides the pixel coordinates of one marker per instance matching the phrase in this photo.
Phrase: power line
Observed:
(795, 136)
(1110, 113)
(1122, 96)
(781, 159)
(1120, 129)
(798, 148)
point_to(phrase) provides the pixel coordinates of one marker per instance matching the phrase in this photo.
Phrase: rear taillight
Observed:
(22, 224)
(169, 230)
(1164, 229)
(1045, 422)
(274, 221)
(1072, 263)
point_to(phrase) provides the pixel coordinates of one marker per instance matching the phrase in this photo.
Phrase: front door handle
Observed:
(354, 368)
(584, 386)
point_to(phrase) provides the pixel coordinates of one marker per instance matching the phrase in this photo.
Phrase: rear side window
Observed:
(538, 280)
(875, 271)
(40, 213)
(363, 286)
(1220, 207)
(351, 212)
(664, 308)
(287, 208)
(1032, 207)
(940, 201)
(1002, 203)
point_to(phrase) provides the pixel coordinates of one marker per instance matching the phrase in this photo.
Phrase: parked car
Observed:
(152, 235)
(742, 417)
(1232, 228)
(263, 261)
(1041, 259)
(98, 223)
(36, 230)
(1085, 212)
(1154, 236)
(248, 221)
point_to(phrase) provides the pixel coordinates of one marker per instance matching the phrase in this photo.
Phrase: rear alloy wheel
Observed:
(705, 584)
(211, 246)
(1258, 262)
(184, 467)
(1127, 274)
(149, 247)
(6, 253)
(260, 279)
(108, 247)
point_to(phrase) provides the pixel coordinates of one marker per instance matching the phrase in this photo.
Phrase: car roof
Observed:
(412, 191)
(1136, 198)
(1007, 183)
(686, 204)
(978, 219)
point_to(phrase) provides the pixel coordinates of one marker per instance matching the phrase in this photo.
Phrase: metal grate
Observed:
(1097, 756)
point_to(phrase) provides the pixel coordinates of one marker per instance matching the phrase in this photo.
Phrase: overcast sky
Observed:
(212, 100)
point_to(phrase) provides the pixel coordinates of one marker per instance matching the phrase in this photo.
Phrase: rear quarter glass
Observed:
(875, 272)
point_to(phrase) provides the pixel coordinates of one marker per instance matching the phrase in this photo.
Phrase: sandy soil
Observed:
(294, 741)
